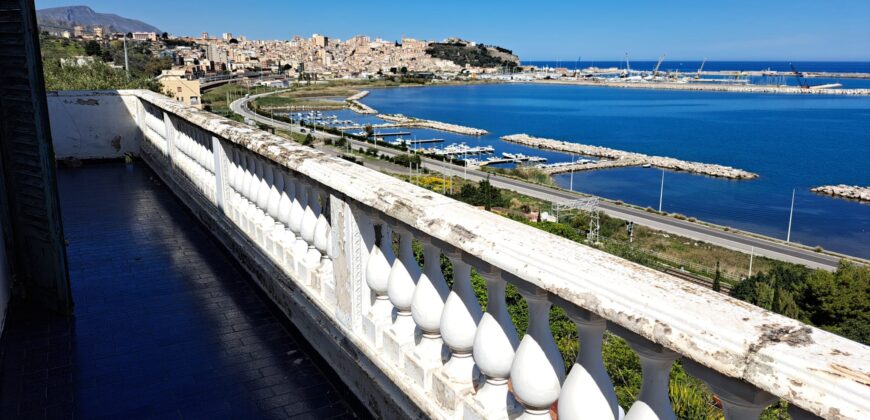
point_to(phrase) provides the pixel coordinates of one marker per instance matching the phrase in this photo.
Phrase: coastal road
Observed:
(738, 241)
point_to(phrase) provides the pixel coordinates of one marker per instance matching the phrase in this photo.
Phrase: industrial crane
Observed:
(800, 77)
(656, 71)
(698, 76)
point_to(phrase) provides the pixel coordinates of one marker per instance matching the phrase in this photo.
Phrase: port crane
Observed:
(701, 69)
(659, 64)
(800, 77)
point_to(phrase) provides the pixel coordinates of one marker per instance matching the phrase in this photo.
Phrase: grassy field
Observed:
(215, 99)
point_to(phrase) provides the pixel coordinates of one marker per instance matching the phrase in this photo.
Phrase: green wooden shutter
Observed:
(32, 227)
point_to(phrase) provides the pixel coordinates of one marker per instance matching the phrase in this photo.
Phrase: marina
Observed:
(788, 141)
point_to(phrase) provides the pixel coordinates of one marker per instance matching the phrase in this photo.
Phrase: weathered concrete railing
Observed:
(327, 228)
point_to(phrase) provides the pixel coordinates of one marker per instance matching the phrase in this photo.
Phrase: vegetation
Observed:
(62, 72)
(477, 56)
(838, 302)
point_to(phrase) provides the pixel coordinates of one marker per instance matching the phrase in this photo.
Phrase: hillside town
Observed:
(317, 56)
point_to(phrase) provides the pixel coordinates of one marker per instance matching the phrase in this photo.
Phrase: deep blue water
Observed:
(791, 141)
(692, 67)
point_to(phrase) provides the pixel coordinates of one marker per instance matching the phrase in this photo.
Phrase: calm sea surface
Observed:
(791, 141)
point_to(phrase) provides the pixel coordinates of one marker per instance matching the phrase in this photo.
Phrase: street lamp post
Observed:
(662, 191)
(790, 217)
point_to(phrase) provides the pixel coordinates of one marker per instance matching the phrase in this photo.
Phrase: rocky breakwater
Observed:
(359, 107)
(852, 192)
(410, 122)
(619, 158)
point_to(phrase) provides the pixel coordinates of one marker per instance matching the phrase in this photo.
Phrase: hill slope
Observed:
(476, 55)
(59, 18)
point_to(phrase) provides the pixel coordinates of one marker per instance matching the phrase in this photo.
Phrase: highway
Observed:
(737, 241)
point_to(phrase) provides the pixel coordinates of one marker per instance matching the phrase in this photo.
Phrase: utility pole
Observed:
(662, 191)
(790, 216)
(126, 61)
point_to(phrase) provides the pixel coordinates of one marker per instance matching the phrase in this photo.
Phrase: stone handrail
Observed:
(328, 224)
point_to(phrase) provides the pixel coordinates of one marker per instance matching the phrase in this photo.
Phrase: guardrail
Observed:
(330, 226)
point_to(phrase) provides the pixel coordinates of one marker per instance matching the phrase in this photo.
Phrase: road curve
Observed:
(737, 241)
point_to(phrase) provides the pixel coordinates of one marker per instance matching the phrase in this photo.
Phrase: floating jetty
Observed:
(405, 121)
(742, 88)
(359, 107)
(851, 192)
(400, 141)
(461, 149)
(508, 158)
(619, 158)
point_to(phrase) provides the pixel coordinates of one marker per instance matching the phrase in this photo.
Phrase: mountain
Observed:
(60, 18)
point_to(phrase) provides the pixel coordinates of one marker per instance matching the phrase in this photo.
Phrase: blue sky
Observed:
(556, 29)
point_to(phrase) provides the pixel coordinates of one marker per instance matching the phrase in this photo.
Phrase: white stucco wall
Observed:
(93, 125)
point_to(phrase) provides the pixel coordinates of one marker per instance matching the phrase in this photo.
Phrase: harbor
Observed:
(619, 158)
(709, 87)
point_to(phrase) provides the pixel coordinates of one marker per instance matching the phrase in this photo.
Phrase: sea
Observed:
(794, 142)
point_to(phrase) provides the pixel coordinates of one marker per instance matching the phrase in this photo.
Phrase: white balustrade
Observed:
(309, 221)
(653, 402)
(587, 392)
(427, 305)
(459, 321)
(287, 209)
(495, 344)
(319, 238)
(404, 275)
(537, 371)
(739, 399)
(377, 275)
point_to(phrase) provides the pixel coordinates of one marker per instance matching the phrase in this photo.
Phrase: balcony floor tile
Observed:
(166, 324)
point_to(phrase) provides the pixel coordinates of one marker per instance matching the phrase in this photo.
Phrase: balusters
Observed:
(740, 400)
(537, 371)
(321, 227)
(459, 321)
(381, 259)
(653, 402)
(297, 217)
(309, 220)
(427, 304)
(495, 344)
(588, 391)
(404, 275)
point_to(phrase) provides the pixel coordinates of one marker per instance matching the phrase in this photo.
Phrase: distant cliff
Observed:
(61, 18)
(475, 55)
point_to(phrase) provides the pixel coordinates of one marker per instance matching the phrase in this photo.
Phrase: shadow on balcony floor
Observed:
(166, 323)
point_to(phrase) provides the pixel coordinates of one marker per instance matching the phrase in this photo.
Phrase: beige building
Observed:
(145, 36)
(78, 31)
(226, 36)
(319, 40)
(98, 31)
(177, 86)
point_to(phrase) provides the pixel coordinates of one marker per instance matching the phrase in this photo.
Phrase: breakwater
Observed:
(791, 90)
(620, 158)
(359, 107)
(851, 192)
(405, 121)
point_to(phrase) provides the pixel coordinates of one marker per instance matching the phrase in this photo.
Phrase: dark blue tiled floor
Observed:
(166, 325)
